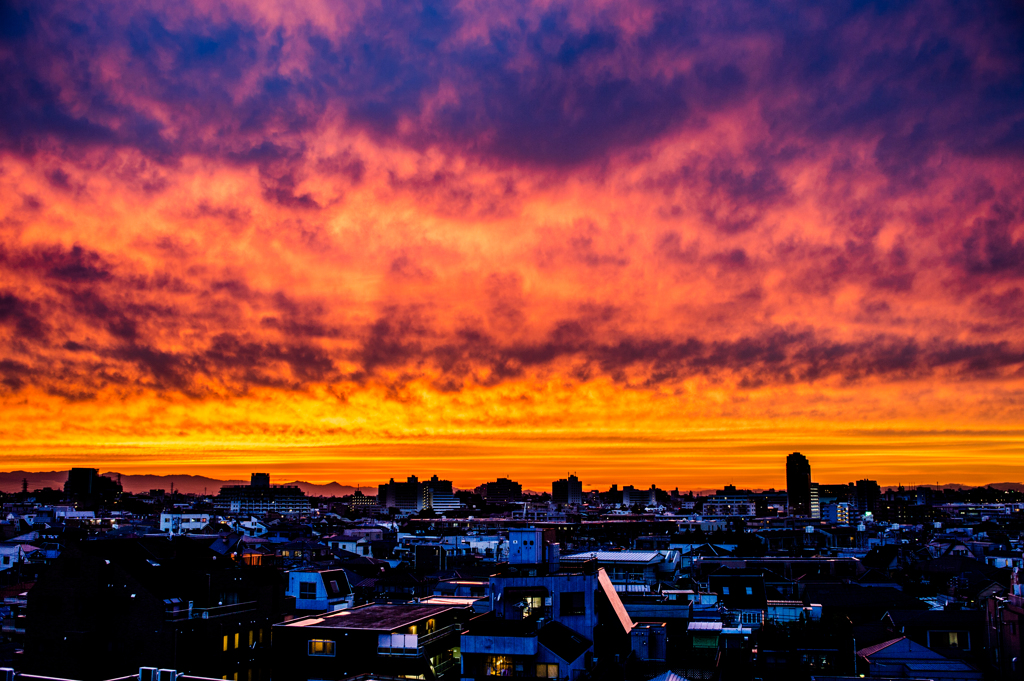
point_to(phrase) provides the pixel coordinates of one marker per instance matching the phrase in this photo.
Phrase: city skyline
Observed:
(301, 238)
(12, 480)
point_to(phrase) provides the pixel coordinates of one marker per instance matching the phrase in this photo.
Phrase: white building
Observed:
(321, 590)
(183, 522)
(440, 502)
(837, 514)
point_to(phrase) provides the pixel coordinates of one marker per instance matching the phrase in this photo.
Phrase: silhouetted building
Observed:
(88, 481)
(501, 491)
(798, 484)
(632, 496)
(106, 608)
(405, 496)
(567, 491)
(867, 494)
(259, 498)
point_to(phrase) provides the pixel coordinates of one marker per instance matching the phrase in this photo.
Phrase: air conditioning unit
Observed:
(167, 675)
(148, 674)
(6, 674)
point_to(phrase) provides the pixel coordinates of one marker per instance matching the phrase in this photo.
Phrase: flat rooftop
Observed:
(616, 556)
(371, 617)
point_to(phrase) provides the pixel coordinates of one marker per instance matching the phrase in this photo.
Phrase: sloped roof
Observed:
(613, 598)
(563, 641)
(871, 650)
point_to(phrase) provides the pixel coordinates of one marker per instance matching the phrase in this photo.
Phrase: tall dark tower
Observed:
(798, 483)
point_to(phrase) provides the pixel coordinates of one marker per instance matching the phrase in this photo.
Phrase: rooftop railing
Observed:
(421, 642)
(214, 612)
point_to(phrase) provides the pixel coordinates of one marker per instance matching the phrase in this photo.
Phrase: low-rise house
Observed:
(547, 620)
(320, 590)
(743, 596)
(902, 658)
(632, 570)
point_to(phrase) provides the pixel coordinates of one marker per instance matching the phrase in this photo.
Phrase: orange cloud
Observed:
(340, 241)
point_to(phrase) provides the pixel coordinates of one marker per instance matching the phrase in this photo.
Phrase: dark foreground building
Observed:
(107, 608)
(409, 640)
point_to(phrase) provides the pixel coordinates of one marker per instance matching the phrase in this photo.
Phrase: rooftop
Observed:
(374, 617)
(616, 556)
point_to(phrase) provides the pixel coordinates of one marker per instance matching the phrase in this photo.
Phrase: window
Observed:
(307, 589)
(750, 591)
(572, 603)
(252, 638)
(725, 591)
(547, 671)
(334, 586)
(321, 647)
(236, 640)
(225, 643)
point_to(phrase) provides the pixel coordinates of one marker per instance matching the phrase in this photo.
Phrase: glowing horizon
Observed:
(238, 235)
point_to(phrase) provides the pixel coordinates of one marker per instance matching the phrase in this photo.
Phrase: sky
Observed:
(650, 242)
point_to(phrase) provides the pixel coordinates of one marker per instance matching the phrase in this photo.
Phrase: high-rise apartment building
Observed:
(798, 484)
(567, 491)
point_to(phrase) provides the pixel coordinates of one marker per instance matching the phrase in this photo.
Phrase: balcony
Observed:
(446, 666)
(411, 645)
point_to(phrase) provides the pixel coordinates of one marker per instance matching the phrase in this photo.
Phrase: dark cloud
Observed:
(548, 90)
(23, 316)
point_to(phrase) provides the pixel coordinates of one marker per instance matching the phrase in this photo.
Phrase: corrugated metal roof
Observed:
(704, 626)
(616, 556)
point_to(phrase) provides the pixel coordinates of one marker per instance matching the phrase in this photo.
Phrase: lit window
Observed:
(225, 642)
(236, 639)
(321, 647)
(547, 671)
(725, 591)
(750, 591)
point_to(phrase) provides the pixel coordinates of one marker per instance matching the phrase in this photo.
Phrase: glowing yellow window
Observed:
(225, 643)
(321, 647)
(252, 638)
(236, 639)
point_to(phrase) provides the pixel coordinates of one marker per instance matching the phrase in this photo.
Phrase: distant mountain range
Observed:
(187, 484)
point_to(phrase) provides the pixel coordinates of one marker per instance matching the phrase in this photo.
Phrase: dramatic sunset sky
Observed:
(651, 242)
